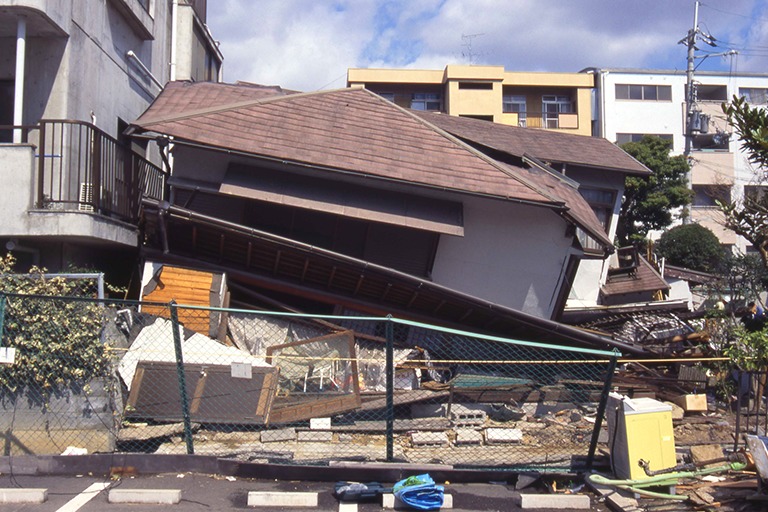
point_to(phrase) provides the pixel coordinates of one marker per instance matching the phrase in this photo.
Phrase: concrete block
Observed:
(23, 495)
(466, 436)
(282, 499)
(278, 436)
(389, 501)
(316, 436)
(429, 438)
(503, 435)
(559, 501)
(691, 403)
(145, 496)
(320, 423)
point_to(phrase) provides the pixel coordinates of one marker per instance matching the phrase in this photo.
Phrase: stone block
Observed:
(503, 435)
(466, 436)
(429, 439)
(316, 436)
(558, 501)
(278, 436)
(282, 499)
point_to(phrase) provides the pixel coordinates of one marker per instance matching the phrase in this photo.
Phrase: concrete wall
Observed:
(510, 254)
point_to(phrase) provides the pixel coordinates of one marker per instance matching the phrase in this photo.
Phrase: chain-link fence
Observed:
(104, 376)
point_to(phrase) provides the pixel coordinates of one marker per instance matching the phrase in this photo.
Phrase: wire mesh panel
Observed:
(266, 386)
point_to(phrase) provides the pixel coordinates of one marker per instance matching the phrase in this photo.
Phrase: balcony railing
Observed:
(82, 169)
(546, 120)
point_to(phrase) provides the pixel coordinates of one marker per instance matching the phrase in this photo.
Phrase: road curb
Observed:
(145, 496)
(23, 495)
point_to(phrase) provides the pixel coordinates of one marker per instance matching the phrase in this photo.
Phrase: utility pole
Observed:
(690, 92)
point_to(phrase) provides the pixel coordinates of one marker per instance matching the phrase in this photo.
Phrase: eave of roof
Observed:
(294, 264)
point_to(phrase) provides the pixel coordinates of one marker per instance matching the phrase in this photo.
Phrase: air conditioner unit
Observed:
(85, 198)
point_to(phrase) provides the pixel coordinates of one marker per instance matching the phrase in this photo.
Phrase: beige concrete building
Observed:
(552, 101)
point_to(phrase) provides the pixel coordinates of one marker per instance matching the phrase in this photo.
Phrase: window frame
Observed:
(642, 92)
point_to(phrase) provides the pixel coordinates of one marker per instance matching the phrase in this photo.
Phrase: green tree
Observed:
(691, 246)
(748, 216)
(648, 203)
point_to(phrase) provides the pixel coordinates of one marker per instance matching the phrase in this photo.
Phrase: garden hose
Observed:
(662, 478)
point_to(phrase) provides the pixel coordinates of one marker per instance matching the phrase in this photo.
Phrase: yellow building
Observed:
(553, 101)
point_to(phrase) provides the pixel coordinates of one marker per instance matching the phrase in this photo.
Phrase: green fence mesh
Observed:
(107, 376)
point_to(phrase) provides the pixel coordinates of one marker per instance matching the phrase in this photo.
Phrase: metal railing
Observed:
(83, 169)
(547, 120)
(288, 388)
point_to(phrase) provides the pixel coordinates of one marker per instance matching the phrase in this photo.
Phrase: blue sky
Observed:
(308, 45)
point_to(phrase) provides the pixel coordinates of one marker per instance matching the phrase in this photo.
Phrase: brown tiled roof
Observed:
(644, 279)
(352, 130)
(542, 144)
(348, 129)
(185, 96)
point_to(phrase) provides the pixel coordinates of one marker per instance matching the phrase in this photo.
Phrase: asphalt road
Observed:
(212, 492)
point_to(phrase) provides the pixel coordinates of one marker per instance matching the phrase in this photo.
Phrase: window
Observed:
(644, 92)
(426, 101)
(755, 193)
(717, 141)
(753, 95)
(389, 96)
(709, 195)
(482, 86)
(601, 201)
(552, 106)
(515, 104)
(623, 138)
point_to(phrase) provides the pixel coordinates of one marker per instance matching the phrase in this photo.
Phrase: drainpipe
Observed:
(174, 37)
(18, 97)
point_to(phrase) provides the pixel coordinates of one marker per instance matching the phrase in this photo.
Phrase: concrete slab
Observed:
(282, 499)
(389, 501)
(560, 501)
(503, 435)
(429, 438)
(23, 495)
(145, 496)
(316, 436)
(320, 423)
(278, 436)
(465, 436)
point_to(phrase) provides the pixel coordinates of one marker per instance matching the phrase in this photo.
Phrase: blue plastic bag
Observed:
(419, 492)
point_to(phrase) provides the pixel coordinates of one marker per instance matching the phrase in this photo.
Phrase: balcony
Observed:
(545, 120)
(68, 178)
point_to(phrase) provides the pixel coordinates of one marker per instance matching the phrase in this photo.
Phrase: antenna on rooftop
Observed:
(467, 43)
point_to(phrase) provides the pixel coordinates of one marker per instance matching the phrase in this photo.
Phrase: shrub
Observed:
(691, 246)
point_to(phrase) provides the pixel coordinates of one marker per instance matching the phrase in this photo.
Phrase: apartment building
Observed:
(631, 103)
(551, 101)
(73, 75)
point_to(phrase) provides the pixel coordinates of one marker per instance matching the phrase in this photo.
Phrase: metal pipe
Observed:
(18, 94)
(144, 68)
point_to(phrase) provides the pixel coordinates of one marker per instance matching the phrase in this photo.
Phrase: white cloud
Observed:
(309, 44)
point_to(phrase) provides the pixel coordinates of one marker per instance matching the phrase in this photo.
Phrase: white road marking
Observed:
(84, 497)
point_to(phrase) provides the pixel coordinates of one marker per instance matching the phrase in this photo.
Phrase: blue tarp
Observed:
(419, 492)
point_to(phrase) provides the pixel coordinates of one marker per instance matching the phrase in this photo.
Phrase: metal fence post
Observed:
(601, 410)
(390, 361)
(182, 380)
(2, 317)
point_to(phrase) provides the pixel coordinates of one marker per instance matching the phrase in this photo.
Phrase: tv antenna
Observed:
(467, 43)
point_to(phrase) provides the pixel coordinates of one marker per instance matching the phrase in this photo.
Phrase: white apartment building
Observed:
(630, 103)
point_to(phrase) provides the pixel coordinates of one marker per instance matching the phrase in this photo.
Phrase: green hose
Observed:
(636, 485)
